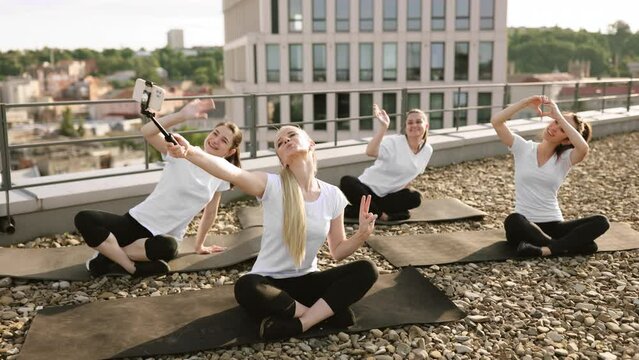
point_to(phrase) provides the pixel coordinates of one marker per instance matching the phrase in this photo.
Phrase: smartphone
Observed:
(148, 94)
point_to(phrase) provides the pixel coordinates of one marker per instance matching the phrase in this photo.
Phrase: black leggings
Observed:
(340, 287)
(394, 203)
(562, 237)
(95, 226)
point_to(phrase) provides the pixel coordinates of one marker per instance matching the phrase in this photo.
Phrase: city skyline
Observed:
(144, 24)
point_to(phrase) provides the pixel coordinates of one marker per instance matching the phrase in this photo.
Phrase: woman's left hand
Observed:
(197, 109)
(366, 219)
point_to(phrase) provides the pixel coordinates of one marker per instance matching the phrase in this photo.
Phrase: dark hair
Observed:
(584, 129)
(235, 143)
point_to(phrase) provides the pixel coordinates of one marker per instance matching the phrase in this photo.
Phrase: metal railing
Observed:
(252, 125)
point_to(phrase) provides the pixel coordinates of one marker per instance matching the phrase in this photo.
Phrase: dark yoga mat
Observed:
(430, 210)
(475, 246)
(210, 319)
(68, 263)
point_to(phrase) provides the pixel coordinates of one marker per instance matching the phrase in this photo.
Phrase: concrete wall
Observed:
(44, 210)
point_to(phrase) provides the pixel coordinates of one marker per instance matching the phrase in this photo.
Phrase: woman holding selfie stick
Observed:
(284, 290)
(142, 240)
(537, 227)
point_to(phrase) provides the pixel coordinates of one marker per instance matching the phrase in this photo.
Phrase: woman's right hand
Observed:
(181, 149)
(209, 249)
(381, 116)
(197, 109)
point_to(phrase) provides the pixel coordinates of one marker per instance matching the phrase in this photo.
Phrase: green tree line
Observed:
(204, 68)
(539, 50)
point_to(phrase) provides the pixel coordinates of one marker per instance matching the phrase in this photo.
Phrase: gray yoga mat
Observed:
(209, 319)
(430, 210)
(68, 263)
(475, 246)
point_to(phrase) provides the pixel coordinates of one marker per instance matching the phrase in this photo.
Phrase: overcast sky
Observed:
(99, 24)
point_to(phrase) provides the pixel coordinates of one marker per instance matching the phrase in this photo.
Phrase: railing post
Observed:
(404, 107)
(629, 95)
(251, 121)
(6, 158)
(504, 101)
(575, 104)
(603, 98)
(455, 111)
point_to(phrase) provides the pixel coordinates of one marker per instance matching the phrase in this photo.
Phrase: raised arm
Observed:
(580, 144)
(341, 247)
(372, 149)
(499, 119)
(208, 217)
(250, 182)
(195, 109)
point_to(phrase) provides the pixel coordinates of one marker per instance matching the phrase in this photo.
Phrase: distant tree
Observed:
(201, 76)
(66, 126)
(618, 33)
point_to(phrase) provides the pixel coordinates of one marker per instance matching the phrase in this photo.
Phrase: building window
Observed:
(460, 100)
(272, 63)
(486, 14)
(485, 60)
(462, 14)
(414, 15)
(366, 109)
(413, 101)
(438, 15)
(273, 109)
(319, 62)
(389, 103)
(275, 17)
(342, 62)
(343, 110)
(390, 62)
(342, 15)
(319, 15)
(366, 62)
(461, 60)
(295, 15)
(297, 108)
(295, 71)
(366, 15)
(390, 15)
(437, 61)
(436, 118)
(319, 111)
(484, 99)
(413, 60)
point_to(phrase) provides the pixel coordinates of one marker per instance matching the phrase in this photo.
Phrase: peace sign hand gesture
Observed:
(366, 219)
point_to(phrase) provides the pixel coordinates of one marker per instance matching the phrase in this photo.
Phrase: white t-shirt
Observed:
(182, 192)
(396, 165)
(274, 259)
(536, 187)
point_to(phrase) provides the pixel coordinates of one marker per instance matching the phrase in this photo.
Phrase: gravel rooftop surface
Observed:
(573, 308)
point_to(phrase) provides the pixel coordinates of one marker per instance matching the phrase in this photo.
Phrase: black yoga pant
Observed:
(562, 237)
(95, 226)
(394, 203)
(340, 287)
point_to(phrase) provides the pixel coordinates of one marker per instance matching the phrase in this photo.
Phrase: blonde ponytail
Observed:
(294, 217)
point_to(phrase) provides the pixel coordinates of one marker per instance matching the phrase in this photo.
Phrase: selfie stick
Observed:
(145, 111)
